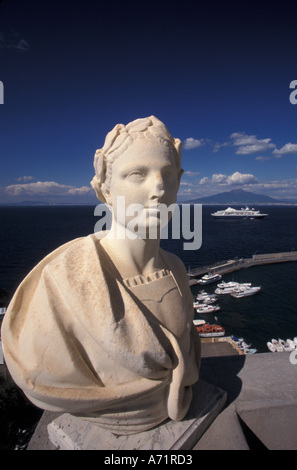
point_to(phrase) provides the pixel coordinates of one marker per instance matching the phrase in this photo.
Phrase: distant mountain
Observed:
(238, 196)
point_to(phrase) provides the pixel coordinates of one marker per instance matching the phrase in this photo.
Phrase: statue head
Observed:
(120, 139)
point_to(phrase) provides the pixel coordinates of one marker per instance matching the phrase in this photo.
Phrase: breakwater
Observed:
(232, 265)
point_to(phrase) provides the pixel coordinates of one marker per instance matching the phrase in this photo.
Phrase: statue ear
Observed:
(98, 188)
(106, 194)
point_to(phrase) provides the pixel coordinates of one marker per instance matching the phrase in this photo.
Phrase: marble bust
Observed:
(102, 328)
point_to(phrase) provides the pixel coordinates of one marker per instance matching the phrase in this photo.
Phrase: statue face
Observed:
(144, 174)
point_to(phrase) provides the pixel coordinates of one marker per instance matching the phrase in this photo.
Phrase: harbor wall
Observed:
(230, 266)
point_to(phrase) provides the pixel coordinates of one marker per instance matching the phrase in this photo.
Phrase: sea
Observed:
(28, 233)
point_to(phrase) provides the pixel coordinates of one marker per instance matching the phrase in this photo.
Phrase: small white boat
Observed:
(209, 300)
(229, 287)
(207, 308)
(250, 351)
(292, 344)
(278, 346)
(271, 347)
(285, 345)
(205, 300)
(245, 292)
(224, 291)
(209, 278)
(244, 345)
(205, 296)
(241, 343)
(199, 322)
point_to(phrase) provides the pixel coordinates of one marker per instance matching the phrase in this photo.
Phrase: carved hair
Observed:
(119, 139)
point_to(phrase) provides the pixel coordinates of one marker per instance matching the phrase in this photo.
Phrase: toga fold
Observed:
(121, 352)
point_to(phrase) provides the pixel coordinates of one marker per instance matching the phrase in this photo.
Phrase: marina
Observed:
(202, 304)
(233, 265)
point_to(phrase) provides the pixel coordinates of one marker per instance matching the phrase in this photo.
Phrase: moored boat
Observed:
(229, 287)
(198, 322)
(205, 296)
(201, 295)
(203, 308)
(197, 304)
(245, 292)
(286, 347)
(230, 284)
(271, 346)
(243, 346)
(210, 331)
(292, 344)
(206, 300)
(277, 345)
(250, 351)
(209, 278)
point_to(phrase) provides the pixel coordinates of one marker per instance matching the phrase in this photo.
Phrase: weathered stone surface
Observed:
(70, 433)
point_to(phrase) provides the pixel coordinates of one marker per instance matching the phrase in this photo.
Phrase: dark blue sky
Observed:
(217, 73)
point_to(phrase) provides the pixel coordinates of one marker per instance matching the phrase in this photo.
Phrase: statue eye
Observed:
(136, 175)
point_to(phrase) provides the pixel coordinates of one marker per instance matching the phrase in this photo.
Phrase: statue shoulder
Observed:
(73, 255)
(79, 245)
(68, 255)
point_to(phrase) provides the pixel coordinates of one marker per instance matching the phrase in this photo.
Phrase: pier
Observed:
(232, 265)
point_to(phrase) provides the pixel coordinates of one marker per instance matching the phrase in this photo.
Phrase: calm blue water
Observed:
(29, 233)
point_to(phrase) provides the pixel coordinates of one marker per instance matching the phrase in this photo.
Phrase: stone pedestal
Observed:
(70, 433)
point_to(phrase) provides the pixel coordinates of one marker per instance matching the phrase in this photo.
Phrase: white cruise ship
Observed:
(239, 213)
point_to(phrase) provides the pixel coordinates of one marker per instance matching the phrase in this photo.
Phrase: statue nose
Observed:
(157, 190)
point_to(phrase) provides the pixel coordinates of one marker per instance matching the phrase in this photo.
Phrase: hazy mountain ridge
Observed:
(239, 196)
